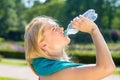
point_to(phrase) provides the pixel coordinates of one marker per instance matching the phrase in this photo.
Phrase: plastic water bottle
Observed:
(90, 14)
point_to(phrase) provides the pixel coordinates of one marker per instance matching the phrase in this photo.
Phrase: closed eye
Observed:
(53, 29)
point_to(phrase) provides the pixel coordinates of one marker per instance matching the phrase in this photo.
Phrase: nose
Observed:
(62, 29)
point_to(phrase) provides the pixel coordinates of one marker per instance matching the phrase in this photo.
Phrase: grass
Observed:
(7, 78)
(91, 46)
(12, 46)
(89, 49)
(117, 72)
(13, 62)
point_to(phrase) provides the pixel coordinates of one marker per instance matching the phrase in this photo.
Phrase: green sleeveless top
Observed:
(45, 67)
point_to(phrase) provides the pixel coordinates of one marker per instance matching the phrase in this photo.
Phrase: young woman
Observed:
(44, 47)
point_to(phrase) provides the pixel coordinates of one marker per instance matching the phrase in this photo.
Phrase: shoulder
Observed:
(47, 67)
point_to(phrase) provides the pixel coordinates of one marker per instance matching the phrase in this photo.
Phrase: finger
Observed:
(74, 23)
(82, 18)
(77, 20)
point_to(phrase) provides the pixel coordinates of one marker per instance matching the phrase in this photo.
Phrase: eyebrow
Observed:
(51, 26)
(56, 25)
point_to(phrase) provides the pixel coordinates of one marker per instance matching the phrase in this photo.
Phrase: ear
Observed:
(42, 45)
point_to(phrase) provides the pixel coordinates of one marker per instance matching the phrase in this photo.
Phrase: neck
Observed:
(56, 52)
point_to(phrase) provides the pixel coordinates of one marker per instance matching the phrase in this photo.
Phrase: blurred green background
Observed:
(16, 14)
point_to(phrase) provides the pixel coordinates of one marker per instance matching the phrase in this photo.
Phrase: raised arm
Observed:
(103, 55)
(104, 63)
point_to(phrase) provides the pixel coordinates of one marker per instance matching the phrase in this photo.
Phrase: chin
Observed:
(68, 41)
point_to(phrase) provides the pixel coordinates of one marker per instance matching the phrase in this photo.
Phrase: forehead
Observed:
(49, 25)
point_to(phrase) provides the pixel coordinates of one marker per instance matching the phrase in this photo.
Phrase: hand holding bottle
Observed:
(83, 24)
(89, 14)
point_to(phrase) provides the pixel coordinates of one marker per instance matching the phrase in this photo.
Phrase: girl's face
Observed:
(54, 35)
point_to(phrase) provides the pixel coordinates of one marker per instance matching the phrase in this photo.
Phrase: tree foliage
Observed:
(14, 15)
(55, 9)
(11, 18)
(7, 16)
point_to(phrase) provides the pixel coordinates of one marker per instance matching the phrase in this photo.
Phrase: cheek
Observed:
(52, 38)
(58, 38)
(63, 40)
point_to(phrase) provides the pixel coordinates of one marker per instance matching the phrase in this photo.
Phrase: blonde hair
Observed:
(33, 35)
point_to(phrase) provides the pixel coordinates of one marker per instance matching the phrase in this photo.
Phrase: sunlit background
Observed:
(16, 14)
